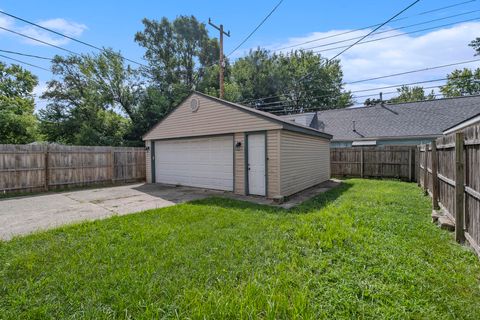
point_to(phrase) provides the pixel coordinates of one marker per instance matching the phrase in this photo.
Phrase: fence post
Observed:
(425, 170)
(417, 164)
(361, 162)
(459, 188)
(409, 164)
(112, 164)
(435, 184)
(47, 171)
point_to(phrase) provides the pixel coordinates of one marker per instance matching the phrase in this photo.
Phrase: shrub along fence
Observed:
(449, 170)
(374, 162)
(27, 168)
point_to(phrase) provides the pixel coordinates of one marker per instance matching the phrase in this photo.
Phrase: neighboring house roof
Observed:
(467, 122)
(404, 120)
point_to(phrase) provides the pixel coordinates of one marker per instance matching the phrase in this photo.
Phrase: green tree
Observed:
(310, 82)
(300, 80)
(410, 94)
(462, 83)
(475, 44)
(18, 123)
(84, 100)
(180, 55)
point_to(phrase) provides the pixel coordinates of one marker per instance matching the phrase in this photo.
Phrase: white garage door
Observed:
(199, 162)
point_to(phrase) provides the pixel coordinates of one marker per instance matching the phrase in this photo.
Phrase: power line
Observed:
(394, 29)
(363, 37)
(401, 34)
(40, 41)
(366, 90)
(26, 55)
(65, 36)
(381, 25)
(414, 71)
(371, 26)
(379, 77)
(25, 63)
(275, 109)
(256, 28)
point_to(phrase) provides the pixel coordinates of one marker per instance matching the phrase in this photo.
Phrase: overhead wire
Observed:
(26, 54)
(371, 26)
(397, 35)
(379, 77)
(39, 41)
(25, 63)
(65, 36)
(256, 28)
(378, 27)
(393, 29)
(363, 90)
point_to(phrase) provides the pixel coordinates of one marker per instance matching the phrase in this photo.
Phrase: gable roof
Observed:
(413, 119)
(467, 122)
(288, 125)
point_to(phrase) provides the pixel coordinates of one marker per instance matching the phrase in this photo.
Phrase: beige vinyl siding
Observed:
(273, 163)
(304, 161)
(148, 161)
(212, 118)
(239, 160)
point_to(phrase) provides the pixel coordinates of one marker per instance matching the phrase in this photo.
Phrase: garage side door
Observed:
(198, 162)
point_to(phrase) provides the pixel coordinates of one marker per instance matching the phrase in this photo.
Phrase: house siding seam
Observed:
(182, 122)
(304, 162)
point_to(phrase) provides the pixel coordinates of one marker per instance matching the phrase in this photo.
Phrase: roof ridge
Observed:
(397, 104)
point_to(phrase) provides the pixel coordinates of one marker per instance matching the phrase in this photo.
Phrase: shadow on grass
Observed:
(322, 200)
(313, 204)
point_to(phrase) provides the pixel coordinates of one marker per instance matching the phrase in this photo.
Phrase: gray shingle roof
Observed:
(413, 119)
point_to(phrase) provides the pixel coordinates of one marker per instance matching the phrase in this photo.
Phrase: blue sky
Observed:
(114, 23)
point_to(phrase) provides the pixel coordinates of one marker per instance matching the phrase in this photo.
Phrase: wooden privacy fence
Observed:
(43, 167)
(449, 170)
(377, 162)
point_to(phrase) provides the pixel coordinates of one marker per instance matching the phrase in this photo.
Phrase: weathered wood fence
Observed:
(374, 162)
(449, 170)
(27, 168)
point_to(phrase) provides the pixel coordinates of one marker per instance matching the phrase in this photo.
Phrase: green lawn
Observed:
(366, 249)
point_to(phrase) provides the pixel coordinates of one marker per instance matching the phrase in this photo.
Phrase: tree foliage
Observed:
(85, 99)
(179, 54)
(18, 123)
(300, 80)
(475, 44)
(411, 94)
(462, 83)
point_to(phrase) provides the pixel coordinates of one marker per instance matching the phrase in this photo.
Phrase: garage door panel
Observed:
(199, 162)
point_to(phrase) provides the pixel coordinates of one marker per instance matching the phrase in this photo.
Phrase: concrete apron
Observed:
(24, 215)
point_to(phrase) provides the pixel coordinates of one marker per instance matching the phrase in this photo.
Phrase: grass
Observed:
(363, 250)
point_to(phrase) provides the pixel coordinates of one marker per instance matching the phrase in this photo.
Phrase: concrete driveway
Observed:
(24, 215)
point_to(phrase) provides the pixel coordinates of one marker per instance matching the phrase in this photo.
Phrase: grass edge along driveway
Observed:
(366, 249)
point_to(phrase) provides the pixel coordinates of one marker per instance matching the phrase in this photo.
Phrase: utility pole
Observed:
(222, 62)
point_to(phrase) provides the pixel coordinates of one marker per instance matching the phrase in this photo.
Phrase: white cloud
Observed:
(402, 53)
(5, 22)
(63, 26)
(69, 28)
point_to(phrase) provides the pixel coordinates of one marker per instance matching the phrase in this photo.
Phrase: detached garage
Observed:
(215, 144)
